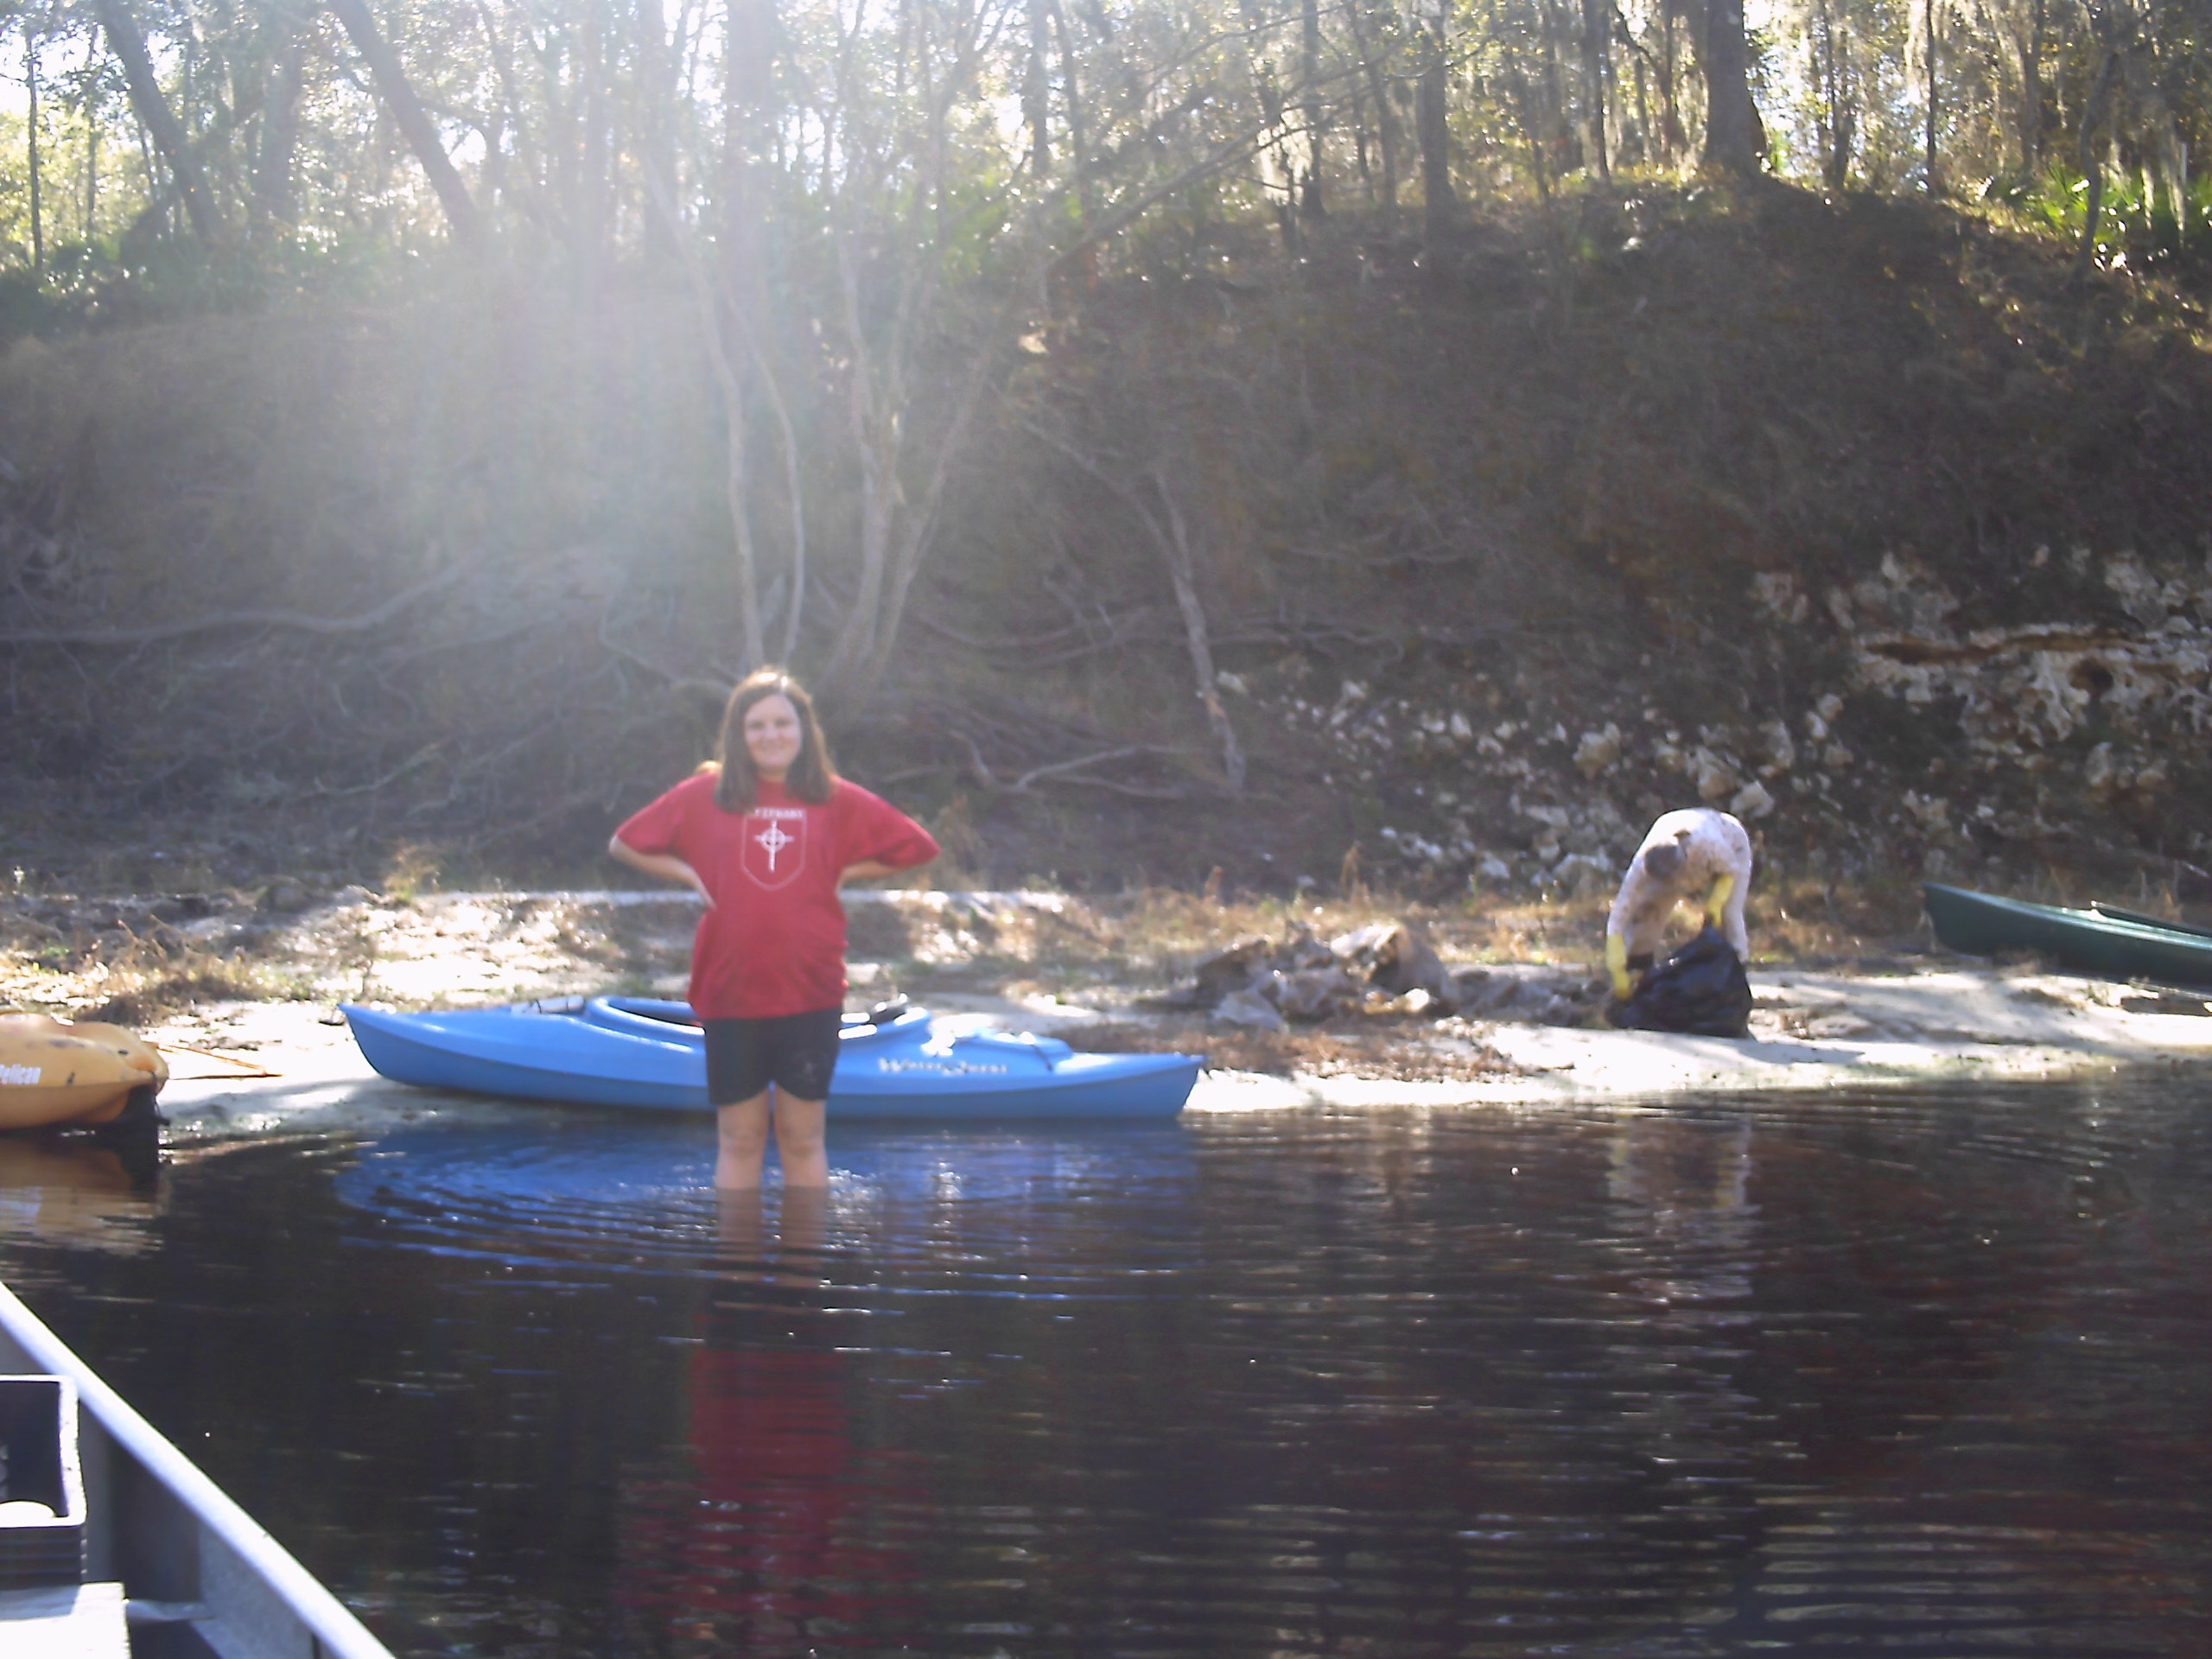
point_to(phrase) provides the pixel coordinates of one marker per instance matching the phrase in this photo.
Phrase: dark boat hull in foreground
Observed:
(2111, 945)
(635, 1053)
(169, 1564)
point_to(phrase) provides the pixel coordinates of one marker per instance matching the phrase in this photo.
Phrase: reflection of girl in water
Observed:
(765, 1553)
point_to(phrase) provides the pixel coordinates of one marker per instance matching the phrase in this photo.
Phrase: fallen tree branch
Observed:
(1138, 790)
(976, 642)
(1174, 542)
(421, 757)
(1063, 772)
(574, 801)
(1385, 561)
(980, 767)
(716, 689)
(883, 780)
(1059, 768)
(229, 620)
(393, 659)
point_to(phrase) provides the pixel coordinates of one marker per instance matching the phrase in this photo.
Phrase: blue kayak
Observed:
(621, 1051)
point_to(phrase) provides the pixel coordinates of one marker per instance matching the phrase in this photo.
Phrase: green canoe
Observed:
(2108, 942)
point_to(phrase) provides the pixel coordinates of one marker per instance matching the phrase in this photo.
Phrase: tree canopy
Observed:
(986, 134)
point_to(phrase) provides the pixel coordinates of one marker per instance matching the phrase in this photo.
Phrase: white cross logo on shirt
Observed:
(775, 841)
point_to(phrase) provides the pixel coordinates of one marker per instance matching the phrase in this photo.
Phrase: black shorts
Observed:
(795, 1051)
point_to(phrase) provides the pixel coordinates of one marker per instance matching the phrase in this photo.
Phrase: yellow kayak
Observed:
(53, 1071)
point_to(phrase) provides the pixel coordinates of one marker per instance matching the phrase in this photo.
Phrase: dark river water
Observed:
(1904, 1374)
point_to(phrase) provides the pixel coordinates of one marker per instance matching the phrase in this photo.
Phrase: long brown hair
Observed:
(812, 775)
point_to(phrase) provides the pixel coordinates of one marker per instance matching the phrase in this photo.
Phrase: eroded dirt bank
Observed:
(1517, 1024)
(1860, 518)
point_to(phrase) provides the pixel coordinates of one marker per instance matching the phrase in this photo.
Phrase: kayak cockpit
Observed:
(661, 1021)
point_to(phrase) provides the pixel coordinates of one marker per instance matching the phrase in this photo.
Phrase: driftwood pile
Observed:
(1386, 970)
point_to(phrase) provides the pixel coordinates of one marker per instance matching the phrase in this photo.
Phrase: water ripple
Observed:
(1912, 1372)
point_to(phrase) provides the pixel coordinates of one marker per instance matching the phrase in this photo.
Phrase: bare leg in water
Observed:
(741, 1224)
(742, 1137)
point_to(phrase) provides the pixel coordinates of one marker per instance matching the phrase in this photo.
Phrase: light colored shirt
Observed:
(1713, 844)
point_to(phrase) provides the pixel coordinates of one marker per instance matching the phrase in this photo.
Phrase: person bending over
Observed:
(766, 833)
(1699, 854)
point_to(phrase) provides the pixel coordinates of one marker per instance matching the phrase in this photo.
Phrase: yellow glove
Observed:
(1716, 901)
(1617, 966)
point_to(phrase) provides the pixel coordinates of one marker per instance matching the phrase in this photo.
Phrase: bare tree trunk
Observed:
(748, 113)
(1079, 124)
(729, 383)
(1596, 14)
(157, 204)
(159, 123)
(526, 152)
(563, 140)
(1735, 138)
(935, 101)
(920, 530)
(1359, 161)
(1524, 105)
(1840, 124)
(1819, 51)
(2093, 121)
(732, 346)
(875, 445)
(493, 180)
(1278, 173)
(1386, 118)
(1435, 136)
(31, 83)
(594, 232)
(737, 494)
(878, 409)
(880, 329)
(2031, 136)
(408, 114)
(655, 115)
(1565, 149)
(1642, 112)
(1673, 141)
(1309, 76)
(1616, 110)
(1036, 92)
(1175, 548)
(280, 127)
(1173, 542)
(795, 498)
(1927, 26)
(2157, 140)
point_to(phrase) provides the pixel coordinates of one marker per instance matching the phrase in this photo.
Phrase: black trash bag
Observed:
(1699, 990)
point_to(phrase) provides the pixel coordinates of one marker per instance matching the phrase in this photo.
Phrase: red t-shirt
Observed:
(774, 942)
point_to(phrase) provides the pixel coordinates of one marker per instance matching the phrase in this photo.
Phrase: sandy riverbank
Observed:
(975, 956)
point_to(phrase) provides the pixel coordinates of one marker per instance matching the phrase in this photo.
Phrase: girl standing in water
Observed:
(766, 834)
